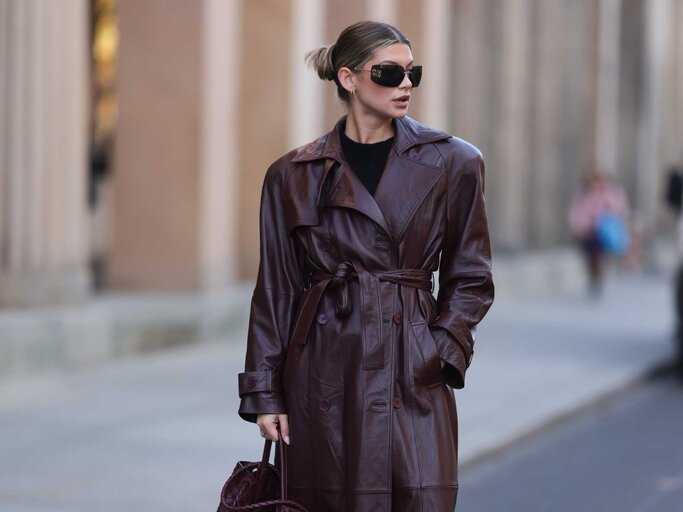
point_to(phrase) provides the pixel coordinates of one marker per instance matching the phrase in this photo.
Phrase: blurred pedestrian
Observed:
(674, 200)
(348, 351)
(598, 217)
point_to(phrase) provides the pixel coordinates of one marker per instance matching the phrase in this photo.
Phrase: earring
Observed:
(353, 92)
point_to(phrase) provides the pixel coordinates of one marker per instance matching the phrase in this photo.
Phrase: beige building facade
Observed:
(210, 92)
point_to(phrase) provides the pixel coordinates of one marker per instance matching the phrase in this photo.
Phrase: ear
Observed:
(346, 79)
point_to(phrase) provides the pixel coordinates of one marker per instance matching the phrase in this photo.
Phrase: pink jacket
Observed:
(588, 204)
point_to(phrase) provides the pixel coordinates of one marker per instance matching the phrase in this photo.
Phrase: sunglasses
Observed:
(391, 75)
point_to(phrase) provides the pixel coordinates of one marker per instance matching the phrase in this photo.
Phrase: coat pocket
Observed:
(428, 369)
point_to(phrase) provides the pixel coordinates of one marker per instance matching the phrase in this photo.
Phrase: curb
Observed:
(111, 327)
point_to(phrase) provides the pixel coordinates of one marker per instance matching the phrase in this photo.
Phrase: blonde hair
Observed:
(355, 45)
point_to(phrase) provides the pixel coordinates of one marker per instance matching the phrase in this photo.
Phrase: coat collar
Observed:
(408, 133)
(404, 183)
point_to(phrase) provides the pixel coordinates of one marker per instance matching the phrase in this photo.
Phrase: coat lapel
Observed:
(404, 182)
(401, 189)
(349, 192)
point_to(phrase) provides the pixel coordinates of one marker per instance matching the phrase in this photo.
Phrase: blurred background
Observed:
(134, 138)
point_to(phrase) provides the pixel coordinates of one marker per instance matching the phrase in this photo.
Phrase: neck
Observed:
(368, 129)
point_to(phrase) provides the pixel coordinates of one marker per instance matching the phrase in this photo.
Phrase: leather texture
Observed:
(345, 335)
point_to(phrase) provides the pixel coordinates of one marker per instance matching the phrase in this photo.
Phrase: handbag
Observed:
(612, 233)
(259, 486)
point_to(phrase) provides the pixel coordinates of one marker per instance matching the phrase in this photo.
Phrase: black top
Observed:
(366, 160)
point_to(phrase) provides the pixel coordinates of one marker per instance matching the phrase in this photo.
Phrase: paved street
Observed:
(540, 357)
(622, 455)
(160, 431)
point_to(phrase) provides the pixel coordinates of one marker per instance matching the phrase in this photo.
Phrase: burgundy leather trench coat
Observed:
(345, 334)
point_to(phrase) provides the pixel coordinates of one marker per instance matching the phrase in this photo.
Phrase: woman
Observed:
(598, 195)
(348, 351)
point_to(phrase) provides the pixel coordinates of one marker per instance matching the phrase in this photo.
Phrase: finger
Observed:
(261, 426)
(284, 427)
(265, 419)
(271, 430)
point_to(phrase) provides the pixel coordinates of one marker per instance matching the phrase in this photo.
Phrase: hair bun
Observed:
(321, 59)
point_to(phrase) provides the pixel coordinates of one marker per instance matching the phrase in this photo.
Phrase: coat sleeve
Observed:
(279, 286)
(466, 288)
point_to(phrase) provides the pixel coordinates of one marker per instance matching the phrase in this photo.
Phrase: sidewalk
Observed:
(160, 431)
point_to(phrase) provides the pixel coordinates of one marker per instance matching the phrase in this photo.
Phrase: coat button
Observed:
(397, 402)
(322, 318)
(397, 318)
(324, 404)
(325, 244)
(251, 382)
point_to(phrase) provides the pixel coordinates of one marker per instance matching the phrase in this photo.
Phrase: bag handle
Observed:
(283, 464)
(265, 459)
(280, 461)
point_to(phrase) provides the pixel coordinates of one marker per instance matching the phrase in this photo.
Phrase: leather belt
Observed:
(370, 307)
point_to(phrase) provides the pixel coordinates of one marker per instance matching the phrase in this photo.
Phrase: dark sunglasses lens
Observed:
(391, 75)
(416, 75)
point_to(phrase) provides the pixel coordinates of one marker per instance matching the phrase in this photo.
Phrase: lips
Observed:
(403, 98)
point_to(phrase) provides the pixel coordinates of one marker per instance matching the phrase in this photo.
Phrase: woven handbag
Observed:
(259, 486)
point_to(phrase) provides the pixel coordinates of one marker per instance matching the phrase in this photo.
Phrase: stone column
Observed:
(43, 152)
(306, 120)
(264, 111)
(436, 56)
(155, 178)
(468, 96)
(607, 103)
(678, 84)
(175, 177)
(512, 141)
(544, 187)
(219, 144)
(651, 137)
(630, 94)
(411, 22)
(672, 148)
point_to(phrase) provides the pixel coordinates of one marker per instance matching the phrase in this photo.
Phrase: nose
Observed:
(406, 81)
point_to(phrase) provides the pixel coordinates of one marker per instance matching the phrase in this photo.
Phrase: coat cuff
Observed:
(459, 333)
(453, 355)
(260, 393)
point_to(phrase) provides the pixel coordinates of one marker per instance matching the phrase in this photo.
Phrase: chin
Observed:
(396, 113)
(392, 113)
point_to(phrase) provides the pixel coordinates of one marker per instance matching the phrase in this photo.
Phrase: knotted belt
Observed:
(370, 307)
